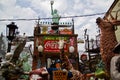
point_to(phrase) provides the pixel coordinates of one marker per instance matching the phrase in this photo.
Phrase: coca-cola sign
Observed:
(52, 46)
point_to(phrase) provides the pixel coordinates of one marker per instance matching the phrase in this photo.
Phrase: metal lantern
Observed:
(52, 2)
(71, 49)
(40, 50)
(11, 31)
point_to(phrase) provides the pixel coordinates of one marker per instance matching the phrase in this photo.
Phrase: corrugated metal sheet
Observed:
(115, 7)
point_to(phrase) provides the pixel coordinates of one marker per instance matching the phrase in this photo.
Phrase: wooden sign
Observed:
(59, 75)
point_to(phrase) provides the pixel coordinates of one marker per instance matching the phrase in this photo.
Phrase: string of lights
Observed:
(51, 18)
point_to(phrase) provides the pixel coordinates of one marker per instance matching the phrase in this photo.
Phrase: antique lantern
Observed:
(52, 2)
(71, 49)
(40, 50)
(11, 31)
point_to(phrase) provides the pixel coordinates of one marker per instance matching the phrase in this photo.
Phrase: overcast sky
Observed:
(31, 9)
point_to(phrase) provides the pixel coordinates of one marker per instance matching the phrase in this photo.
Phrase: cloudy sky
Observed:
(32, 9)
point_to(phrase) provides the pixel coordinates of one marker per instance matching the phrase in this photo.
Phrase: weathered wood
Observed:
(18, 50)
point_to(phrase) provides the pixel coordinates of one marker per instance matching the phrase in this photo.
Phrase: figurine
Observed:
(55, 18)
(55, 15)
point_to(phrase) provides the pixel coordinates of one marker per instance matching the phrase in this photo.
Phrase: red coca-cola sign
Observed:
(52, 46)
